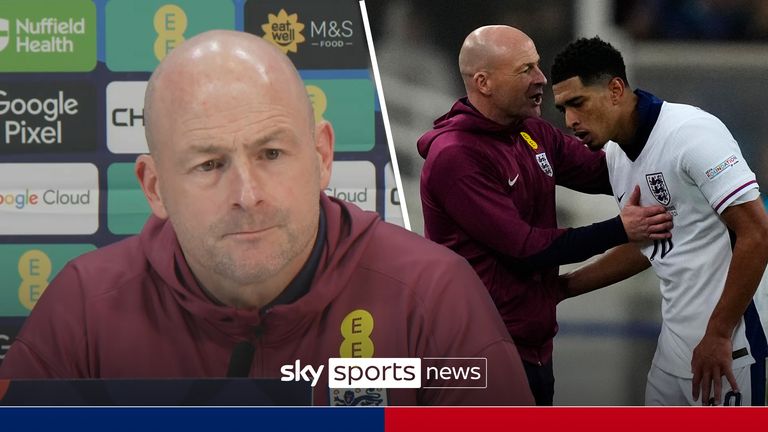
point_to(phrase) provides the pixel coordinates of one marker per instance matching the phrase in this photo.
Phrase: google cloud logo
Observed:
(3, 34)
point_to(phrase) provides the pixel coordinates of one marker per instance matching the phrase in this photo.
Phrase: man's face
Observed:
(588, 110)
(518, 83)
(240, 175)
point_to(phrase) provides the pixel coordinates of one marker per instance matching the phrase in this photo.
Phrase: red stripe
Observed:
(717, 207)
(572, 419)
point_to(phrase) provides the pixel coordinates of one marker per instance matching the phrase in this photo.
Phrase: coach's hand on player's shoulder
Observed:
(645, 223)
(712, 358)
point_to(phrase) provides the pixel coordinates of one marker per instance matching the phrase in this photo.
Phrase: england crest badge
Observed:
(358, 397)
(658, 188)
(541, 158)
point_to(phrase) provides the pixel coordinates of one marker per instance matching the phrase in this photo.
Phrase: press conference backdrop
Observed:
(72, 80)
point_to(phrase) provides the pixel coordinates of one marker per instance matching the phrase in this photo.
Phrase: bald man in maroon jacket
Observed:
(244, 249)
(488, 192)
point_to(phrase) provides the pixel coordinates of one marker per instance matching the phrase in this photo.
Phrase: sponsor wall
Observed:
(73, 74)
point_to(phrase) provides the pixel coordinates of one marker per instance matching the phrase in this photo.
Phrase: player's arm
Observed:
(637, 224)
(712, 358)
(474, 197)
(614, 266)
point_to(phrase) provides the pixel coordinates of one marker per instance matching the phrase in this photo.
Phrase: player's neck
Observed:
(628, 122)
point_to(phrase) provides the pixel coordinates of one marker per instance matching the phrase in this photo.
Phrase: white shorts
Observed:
(664, 389)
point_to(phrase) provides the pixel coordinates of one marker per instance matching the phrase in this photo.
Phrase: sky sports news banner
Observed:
(72, 81)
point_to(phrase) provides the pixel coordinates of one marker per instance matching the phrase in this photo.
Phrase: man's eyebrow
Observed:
(525, 65)
(208, 147)
(571, 101)
(272, 135)
(196, 149)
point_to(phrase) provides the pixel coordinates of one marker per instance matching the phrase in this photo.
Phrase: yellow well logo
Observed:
(284, 31)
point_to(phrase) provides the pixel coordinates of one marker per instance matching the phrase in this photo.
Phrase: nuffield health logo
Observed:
(3, 34)
(47, 36)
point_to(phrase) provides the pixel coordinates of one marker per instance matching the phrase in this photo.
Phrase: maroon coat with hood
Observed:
(488, 193)
(134, 310)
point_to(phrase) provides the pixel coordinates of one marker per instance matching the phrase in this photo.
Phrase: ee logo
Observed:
(356, 328)
(35, 270)
(170, 24)
(319, 101)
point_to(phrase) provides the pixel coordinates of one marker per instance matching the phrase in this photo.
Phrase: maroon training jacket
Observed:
(488, 193)
(134, 310)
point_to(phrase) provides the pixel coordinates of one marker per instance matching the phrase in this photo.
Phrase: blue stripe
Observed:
(759, 350)
(101, 40)
(191, 419)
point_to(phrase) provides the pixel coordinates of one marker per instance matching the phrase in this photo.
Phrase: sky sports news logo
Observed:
(428, 372)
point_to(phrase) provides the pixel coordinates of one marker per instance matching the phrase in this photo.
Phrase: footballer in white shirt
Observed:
(711, 270)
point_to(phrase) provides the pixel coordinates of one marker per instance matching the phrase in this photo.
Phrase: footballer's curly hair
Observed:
(592, 60)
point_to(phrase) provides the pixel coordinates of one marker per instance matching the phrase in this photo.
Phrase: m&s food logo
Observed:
(284, 31)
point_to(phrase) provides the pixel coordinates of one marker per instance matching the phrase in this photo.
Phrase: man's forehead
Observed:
(518, 55)
(234, 64)
(568, 87)
(527, 50)
(194, 93)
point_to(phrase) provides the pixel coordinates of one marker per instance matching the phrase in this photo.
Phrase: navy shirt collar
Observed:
(648, 109)
(301, 284)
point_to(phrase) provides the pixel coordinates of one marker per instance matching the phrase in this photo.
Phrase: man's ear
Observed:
(482, 83)
(324, 149)
(146, 173)
(616, 87)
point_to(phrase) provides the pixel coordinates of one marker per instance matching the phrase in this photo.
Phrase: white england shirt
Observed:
(693, 166)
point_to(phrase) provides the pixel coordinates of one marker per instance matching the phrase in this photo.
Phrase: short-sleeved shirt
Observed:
(692, 165)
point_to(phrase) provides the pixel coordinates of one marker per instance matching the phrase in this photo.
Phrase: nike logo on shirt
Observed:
(621, 196)
(513, 181)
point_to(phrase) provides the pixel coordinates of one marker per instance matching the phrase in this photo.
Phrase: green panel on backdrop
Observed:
(27, 270)
(127, 208)
(140, 33)
(349, 105)
(47, 36)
